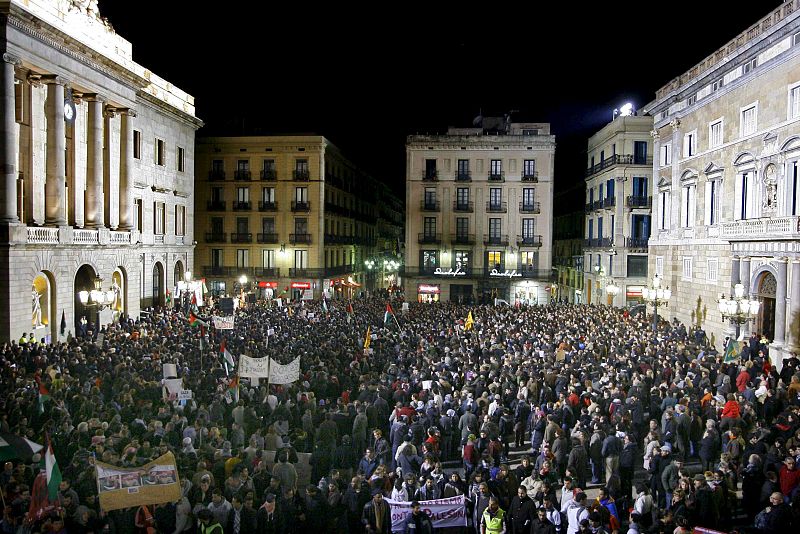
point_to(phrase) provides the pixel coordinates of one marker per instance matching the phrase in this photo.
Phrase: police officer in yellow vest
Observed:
(492, 521)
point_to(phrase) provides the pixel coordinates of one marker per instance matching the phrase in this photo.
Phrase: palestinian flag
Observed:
(389, 313)
(227, 357)
(349, 311)
(14, 446)
(44, 394)
(325, 305)
(53, 473)
(194, 320)
(233, 388)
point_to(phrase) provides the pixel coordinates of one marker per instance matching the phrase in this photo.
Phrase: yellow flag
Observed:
(469, 323)
(367, 339)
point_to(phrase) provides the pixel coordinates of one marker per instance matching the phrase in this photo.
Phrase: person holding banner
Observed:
(493, 518)
(417, 522)
(376, 517)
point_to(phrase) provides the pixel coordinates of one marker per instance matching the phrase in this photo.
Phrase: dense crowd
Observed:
(657, 425)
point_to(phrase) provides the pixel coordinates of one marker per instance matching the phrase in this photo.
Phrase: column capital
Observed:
(94, 97)
(784, 259)
(34, 79)
(130, 112)
(655, 134)
(11, 58)
(795, 261)
(109, 112)
(54, 79)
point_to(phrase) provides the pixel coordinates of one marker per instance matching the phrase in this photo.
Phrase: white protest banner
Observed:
(172, 386)
(270, 331)
(170, 370)
(443, 512)
(280, 302)
(253, 367)
(308, 294)
(224, 323)
(426, 384)
(284, 374)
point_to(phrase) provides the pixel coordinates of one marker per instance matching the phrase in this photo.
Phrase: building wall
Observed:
(479, 149)
(759, 67)
(46, 38)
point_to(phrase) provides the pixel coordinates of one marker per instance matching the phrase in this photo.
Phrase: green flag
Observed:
(731, 351)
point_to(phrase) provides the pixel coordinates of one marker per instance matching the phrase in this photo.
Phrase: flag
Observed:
(169, 299)
(367, 338)
(53, 472)
(233, 388)
(14, 446)
(388, 313)
(194, 320)
(227, 357)
(44, 394)
(731, 352)
(325, 305)
(469, 324)
(63, 322)
(349, 312)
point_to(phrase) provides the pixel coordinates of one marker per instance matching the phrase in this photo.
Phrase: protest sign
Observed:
(126, 487)
(172, 386)
(224, 323)
(443, 512)
(170, 370)
(284, 374)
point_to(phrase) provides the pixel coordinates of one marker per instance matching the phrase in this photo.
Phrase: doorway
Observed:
(767, 288)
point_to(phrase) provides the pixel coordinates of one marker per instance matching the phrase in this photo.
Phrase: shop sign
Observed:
(268, 285)
(634, 291)
(301, 285)
(428, 289)
(505, 274)
(449, 272)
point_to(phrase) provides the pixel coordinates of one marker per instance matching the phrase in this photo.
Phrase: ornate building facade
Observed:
(97, 174)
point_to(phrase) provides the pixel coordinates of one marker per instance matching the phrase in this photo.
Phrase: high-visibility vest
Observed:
(493, 524)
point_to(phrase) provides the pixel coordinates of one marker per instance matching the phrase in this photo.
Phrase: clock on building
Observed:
(69, 110)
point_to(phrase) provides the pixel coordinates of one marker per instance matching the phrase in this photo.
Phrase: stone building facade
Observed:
(727, 158)
(97, 175)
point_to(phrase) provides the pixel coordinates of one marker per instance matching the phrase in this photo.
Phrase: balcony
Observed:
(266, 272)
(609, 202)
(462, 239)
(336, 209)
(496, 177)
(588, 207)
(216, 237)
(767, 229)
(463, 207)
(429, 205)
(267, 238)
(618, 159)
(298, 272)
(301, 205)
(429, 239)
(216, 175)
(241, 176)
(637, 243)
(496, 207)
(241, 238)
(430, 176)
(269, 175)
(530, 208)
(215, 205)
(300, 175)
(267, 206)
(531, 177)
(218, 270)
(530, 272)
(529, 241)
(240, 205)
(491, 239)
(597, 204)
(302, 239)
(597, 242)
(634, 201)
(338, 270)
(463, 176)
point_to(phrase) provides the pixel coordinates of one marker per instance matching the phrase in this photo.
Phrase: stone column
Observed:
(93, 211)
(794, 306)
(8, 142)
(108, 113)
(735, 270)
(780, 303)
(56, 168)
(125, 168)
(744, 274)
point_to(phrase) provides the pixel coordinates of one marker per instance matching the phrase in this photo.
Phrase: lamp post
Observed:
(657, 296)
(385, 264)
(738, 308)
(97, 298)
(601, 276)
(612, 289)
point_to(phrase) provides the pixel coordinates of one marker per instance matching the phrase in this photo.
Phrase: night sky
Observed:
(366, 76)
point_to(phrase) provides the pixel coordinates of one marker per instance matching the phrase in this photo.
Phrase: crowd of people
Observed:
(525, 413)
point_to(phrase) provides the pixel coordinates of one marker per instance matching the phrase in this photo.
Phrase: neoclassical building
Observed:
(97, 170)
(725, 208)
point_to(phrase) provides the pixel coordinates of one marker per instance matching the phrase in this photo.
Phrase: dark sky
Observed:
(367, 76)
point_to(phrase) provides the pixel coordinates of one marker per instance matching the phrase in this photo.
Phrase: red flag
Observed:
(349, 308)
(194, 298)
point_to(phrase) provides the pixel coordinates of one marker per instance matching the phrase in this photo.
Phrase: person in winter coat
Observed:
(521, 512)
(417, 522)
(377, 517)
(752, 482)
(541, 525)
(577, 463)
(577, 512)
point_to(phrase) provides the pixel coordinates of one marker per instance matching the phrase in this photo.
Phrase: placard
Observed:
(127, 487)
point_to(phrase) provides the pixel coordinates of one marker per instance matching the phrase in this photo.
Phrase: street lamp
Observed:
(613, 290)
(97, 298)
(739, 308)
(657, 296)
(601, 276)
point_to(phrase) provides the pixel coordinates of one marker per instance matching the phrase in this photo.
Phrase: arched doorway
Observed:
(119, 284)
(158, 284)
(766, 288)
(85, 316)
(178, 276)
(44, 317)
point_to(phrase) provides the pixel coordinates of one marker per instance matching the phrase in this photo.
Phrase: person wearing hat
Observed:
(706, 506)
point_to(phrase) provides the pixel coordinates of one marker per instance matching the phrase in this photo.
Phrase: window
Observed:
(242, 258)
(268, 171)
(637, 266)
(301, 259)
(591, 228)
(462, 197)
(599, 228)
(750, 66)
(300, 225)
(610, 188)
(216, 257)
(717, 85)
(687, 269)
(430, 198)
(242, 194)
(268, 225)
(529, 167)
(640, 187)
(528, 260)
(463, 258)
(792, 206)
(242, 225)
(430, 169)
(691, 100)
(158, 218)
(181, 159)
(429, 260)
(640, 226)
(640, 152)
(528, 197)
(495, 198)
(663, 210)
(268, 258)
(19, 101)
(137, 144)
(713, 270)
(137, 213)
(749, 118)
(660, 266)
(494, 260)
(711, 202)
(528, 229)
(463, 170)
(216, 225)
(688, 192)
(602, 156)
(160, 153)
(743, 196)
(180, 220)
(301, 195)
(794, 101)
(715, 134)
(666, 154)
(268, 195)
(495, 169)
(216, 194)
(429, 227)
(690, 144)
(495, 228)
(462, 226)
